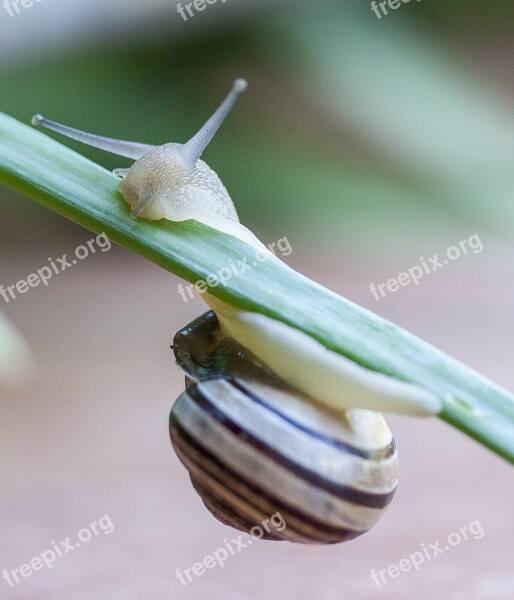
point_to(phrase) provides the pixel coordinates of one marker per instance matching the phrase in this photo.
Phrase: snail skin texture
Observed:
(254, 446)
(171, 182)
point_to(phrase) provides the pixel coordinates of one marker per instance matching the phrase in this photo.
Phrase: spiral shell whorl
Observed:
(251, 454)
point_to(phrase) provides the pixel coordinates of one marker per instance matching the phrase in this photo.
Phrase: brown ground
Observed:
(89, 438)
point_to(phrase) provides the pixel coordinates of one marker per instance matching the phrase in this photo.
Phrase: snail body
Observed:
(271, 420)
(159, 186)
(171, 181)
(253, 446)
(332, 379)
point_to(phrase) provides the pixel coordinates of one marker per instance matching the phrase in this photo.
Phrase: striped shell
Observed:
(255, 447)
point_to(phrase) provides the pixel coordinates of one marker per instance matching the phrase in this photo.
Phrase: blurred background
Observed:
(369, 143)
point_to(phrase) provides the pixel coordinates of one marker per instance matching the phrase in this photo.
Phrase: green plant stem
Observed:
(87, 194)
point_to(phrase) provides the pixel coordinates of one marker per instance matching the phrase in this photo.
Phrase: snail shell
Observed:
(254, 446)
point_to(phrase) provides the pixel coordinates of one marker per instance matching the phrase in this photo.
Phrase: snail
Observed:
(171, 181)
(255, 446)
(271, 420)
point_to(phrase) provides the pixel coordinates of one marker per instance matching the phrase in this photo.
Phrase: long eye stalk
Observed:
(192, 150)
(119, 147)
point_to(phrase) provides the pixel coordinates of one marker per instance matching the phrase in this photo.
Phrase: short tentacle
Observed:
(121, 172)
(145, 200)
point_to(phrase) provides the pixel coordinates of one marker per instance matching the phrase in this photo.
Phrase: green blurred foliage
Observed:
(291, 154)
(465, 16)
(316, 149)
